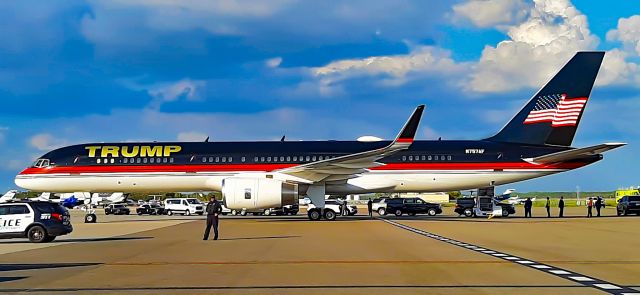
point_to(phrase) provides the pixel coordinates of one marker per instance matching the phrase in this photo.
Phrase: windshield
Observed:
(41, 163)
(634, 198)
(118, 206)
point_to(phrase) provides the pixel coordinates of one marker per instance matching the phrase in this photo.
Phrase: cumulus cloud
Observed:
(167, 92)
(536, 48)
(46, 142)
(627, 32)
(191, 136)
(273, 62)
(490, 13)
(423, 60)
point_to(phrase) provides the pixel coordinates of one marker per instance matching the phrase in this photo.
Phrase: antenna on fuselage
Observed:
(206, 139)
(282, 139)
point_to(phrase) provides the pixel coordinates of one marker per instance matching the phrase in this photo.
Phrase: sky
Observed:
(166, 70)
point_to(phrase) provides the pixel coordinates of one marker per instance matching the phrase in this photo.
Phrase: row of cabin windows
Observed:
(266, 159)
(427, 158)
(219, 159)
(135, 160)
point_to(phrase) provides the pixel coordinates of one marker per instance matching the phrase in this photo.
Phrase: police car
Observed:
(38, 221)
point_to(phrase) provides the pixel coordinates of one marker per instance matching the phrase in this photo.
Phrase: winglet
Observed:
(409, 130)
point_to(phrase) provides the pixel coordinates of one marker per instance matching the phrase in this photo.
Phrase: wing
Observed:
(349, 166)
(574, 153)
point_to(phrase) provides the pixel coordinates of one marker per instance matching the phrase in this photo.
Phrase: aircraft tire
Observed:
(329, 215)
(90, 218)
(314, 214)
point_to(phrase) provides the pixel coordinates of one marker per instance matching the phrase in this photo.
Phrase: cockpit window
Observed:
(41, 163)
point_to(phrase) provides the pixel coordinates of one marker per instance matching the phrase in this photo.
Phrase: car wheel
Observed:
(106, 212)
(398, 213)
(267, 212)
(169, 212)
(90, 218)
(243, 213)
(234, 212)
(37, 234)
(382, 211)
(468, 212)
(128, 212)
(329, 214)
(618, 212)
(432, 212)
(314, 214)
(505, 213)
(139, 213)
(188, 213)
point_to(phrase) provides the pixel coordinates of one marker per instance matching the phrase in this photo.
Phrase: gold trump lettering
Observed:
(132, 151)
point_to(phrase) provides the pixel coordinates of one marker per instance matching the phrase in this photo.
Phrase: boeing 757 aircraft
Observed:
(254, 175)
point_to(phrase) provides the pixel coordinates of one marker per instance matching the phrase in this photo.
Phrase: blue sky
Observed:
(79, 71)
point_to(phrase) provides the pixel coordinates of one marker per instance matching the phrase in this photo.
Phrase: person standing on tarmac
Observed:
(213, 210)
(370, 207)
(590, 207)
(598, 205)
(548, 207)
(527, 207)
(561, 206)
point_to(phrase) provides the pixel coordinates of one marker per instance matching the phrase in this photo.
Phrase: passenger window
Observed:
(247, 193)
(138, 160)
(231, 159)
(204, 159)
(242, 159)
(261, 159)
(449, 158)
(424, 158)
(224, 159)
(170, 160)
(125, 160)
(404, 158)
(313, 158)
(4, 210)
(18, 209)
(288, 158)
(144, 160)
(113, 161)
(308, 158)
(98, 161)
(295, 158)
(268, 159)
(165, 160)
(429, 158)
(255, 159)
(410, 158)
(152, 160)
(217, 159)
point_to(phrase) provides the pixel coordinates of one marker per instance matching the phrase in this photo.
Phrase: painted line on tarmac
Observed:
(581, 279)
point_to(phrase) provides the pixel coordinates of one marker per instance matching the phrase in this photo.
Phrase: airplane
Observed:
(518, 201)
(8, 196)
(269, 174)
(72, 200)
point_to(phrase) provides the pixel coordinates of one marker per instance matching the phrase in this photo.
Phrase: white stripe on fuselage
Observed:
(372, 181)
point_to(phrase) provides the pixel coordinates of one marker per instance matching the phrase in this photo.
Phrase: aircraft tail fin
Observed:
(553, 114)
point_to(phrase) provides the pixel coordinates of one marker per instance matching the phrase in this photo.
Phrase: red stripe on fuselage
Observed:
(272, 167)
(409, 140)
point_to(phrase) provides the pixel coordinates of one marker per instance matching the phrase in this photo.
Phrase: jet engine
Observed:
(257, 193)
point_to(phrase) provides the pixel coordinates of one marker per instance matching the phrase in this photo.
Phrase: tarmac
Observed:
(445, 254)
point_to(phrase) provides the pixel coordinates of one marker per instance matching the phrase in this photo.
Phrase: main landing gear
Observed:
(316, 214)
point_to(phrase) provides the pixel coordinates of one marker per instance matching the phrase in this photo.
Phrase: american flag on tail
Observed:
(557, 109)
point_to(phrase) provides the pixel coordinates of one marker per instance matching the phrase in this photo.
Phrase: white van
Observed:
(184, 206)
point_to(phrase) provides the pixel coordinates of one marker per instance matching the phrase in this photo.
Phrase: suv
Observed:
(149, 209)
(116, 209)
(379, 205)
(628, 204)
(411, 206)
(39, 221)
(284, 210)
(186, 206)
(465, 206)
(332, 208)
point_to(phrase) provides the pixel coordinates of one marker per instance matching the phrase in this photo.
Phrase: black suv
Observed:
(412, 206)
(116, 209)
(464, 206)
(628, 204)
(39, 221)
(150, 209)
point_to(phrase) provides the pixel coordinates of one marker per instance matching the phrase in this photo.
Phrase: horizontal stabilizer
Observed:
(575, 153)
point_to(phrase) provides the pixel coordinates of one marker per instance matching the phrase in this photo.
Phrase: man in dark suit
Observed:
(213, 211)
(527, 207)
(561, 206)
